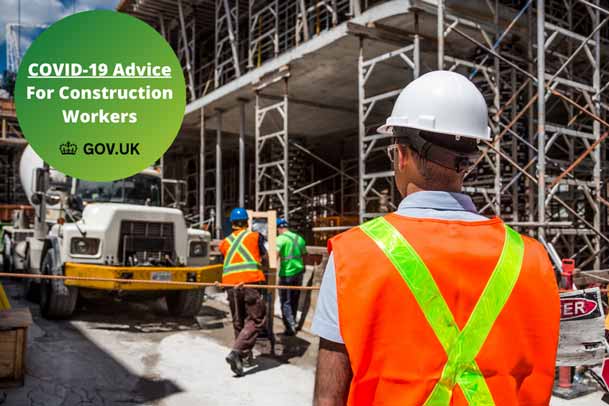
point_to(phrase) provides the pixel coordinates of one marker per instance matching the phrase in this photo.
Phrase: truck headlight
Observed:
(198, 249)
(84, 246)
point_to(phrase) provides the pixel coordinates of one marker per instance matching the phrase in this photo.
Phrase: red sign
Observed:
(605, 372)
(574, 308)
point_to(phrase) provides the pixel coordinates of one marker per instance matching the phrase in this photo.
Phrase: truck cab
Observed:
(114, 230)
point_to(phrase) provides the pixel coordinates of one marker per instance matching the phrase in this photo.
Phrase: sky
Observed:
(40, 12)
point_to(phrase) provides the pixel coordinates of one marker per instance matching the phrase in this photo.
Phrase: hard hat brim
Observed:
(387, 129)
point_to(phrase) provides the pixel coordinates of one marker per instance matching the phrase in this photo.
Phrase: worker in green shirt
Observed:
(291, 247)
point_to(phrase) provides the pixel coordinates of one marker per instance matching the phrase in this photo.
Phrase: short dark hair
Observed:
(459, 145)
(456, 154)
(240, 223)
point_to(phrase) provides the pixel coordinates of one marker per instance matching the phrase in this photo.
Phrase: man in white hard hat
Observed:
(436, 305)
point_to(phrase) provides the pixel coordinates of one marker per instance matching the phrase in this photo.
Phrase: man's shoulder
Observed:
(534, 247)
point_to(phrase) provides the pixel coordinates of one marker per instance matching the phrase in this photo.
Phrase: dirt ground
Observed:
(132, 353)
(129, 353)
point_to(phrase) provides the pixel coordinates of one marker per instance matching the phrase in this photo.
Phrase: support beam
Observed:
(189, 67)
(286, 201)
(202, 169)
(541, 118)
(440, 34)
(596, 129)
(242, 152)
(219, 211)
(232, 37)
(379, 33)
(313, 104)
(355, 8)
(305, 18)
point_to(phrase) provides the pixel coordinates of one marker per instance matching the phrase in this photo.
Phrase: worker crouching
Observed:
(243, 251)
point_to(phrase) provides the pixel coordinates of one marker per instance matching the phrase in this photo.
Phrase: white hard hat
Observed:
(442, 102)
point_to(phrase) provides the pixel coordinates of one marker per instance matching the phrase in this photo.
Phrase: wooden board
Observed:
(269, 219)
(265, 222)
(14, 318)
(582, 328)
(13, 337)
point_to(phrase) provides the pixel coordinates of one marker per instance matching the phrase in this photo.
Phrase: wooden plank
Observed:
(7, 353)
(586, 278)
(15, 318)
(271, 237)
(19, 354)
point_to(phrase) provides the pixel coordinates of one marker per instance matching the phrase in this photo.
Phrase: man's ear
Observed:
(404, 155)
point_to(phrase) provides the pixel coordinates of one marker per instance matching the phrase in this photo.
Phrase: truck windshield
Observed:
(139, 189)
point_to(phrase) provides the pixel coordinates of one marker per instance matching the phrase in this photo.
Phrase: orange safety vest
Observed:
(396, 356)
(241, 258)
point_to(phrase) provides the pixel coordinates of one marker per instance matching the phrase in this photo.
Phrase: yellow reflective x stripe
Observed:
(234, 243)
(461, 347)
(234, 247)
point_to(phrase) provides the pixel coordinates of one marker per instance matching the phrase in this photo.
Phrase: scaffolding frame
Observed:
(369, 139)
(541, 67)
(272, 170)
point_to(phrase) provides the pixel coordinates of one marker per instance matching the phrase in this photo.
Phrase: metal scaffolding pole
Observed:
(541, 118)
(189, 67)
(440, 34)
(272, 149)
(286, 195)
(596, 128)
(497, 105)
(546, 168)
(242, 153)
(219, 211)
(231, 35)
(370, 145)
(202, 167)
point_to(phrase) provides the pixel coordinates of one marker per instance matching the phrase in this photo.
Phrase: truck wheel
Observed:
(57, 301)
(31, 287)
(7, 257)
(185, 303)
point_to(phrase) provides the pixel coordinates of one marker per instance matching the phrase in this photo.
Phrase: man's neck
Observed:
(412, 188)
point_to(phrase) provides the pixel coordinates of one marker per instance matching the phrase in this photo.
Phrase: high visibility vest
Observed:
(241, 258)
(290, 254)
(439, 313)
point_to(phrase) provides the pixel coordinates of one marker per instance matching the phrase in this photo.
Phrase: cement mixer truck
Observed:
(112, 230)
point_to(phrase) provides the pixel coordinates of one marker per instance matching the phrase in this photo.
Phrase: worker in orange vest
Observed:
(243, 251)
(434, 304)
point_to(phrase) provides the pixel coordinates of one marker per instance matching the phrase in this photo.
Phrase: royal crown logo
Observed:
(68, 148)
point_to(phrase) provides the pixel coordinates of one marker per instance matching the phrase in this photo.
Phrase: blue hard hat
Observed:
(281, 222)
(238, 214)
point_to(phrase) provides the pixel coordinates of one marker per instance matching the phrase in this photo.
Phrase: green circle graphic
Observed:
(100, 95)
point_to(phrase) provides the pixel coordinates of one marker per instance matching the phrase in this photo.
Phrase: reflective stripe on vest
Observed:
(461, 347)
(292, 253)
(235, 245)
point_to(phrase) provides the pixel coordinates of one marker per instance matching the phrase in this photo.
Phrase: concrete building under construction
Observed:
(284, 98)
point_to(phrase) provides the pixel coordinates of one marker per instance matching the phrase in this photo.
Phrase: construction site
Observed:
(284, 99)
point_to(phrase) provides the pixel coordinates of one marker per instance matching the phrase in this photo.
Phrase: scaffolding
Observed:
(542, 66)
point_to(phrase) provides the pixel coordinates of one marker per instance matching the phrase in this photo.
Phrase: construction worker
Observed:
(243, 251)
(435, 304)
(291, 247)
